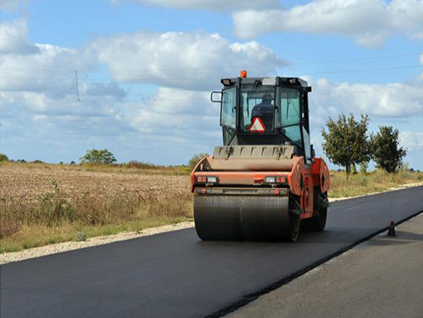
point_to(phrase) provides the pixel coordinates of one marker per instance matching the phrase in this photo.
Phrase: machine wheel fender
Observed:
(296, 177)
(321, 174)
(324, 177)
(198, 167)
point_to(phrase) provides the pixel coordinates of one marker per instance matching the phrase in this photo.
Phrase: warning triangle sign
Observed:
(257, 125)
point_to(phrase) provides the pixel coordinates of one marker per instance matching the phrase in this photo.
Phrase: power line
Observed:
(350, 91)
(221, 67)
(153, 79)
(369, 70)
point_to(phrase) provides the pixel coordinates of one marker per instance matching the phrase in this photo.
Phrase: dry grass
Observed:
(43, 204)
(376, 181)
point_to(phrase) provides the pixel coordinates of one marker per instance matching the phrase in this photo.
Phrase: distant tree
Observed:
(346, 142)
(386, 151)
(196, 158)
(98, 156)
(3, 157)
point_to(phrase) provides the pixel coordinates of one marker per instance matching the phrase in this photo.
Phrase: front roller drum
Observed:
(249, 218)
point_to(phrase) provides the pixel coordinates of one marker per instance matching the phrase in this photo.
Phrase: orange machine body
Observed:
(301, 180)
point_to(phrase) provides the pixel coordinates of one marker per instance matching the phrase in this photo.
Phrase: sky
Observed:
(135, 76)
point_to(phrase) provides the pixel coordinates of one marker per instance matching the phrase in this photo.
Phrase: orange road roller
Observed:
(265, 182)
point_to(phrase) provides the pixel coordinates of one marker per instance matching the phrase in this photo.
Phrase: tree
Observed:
(3, 157)
(346, 142)
(98, 156)
(385, 149)
(196, 158)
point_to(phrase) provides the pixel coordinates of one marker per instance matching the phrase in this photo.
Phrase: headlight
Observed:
(270, 179)
(211, 179)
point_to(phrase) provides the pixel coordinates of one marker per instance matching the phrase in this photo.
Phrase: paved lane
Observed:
(176, 275)
(381, 277)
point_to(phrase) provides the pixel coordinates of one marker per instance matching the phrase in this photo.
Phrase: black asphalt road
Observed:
(177, 275)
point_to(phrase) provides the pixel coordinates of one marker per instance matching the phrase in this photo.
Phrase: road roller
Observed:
(265, 182)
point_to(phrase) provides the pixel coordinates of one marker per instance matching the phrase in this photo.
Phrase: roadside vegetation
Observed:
(44, 203)
(347, 143)
(360, 183)
(3, 158)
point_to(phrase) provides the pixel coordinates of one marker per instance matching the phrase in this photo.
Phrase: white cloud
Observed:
(37, 67)
(13, 38)
(177, 114)
(369, 22)
(411, 140)
(210, 5)
(192, 60)
(40, 103)
(11, 5)
(380, 100)
(39, 100)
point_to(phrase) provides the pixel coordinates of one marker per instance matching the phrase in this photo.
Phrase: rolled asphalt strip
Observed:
(382, 277)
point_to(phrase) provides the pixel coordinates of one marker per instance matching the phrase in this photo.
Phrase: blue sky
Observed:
(146, 69)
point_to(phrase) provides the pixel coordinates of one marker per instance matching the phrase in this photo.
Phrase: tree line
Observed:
(347, 143)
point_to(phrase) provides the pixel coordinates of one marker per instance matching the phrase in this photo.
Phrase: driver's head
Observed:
(267, 98)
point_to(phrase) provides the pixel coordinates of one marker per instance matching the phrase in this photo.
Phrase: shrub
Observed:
(141, 165)
(363, 167)
(80, 236)
(3, 157)
(95, 156)
(196, 158)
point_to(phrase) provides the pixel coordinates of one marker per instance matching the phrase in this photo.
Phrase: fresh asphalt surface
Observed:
(176, 275)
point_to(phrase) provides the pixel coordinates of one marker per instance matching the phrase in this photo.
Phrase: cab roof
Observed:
(273, 81)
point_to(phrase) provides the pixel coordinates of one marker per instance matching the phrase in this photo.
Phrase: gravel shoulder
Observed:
(382, 277)
(100, 240)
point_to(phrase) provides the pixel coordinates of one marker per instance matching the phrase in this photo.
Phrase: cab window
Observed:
(290, 111)
(228, 113)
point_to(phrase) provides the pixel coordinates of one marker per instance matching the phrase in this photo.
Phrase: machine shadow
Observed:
(330, 236)
(401, 238)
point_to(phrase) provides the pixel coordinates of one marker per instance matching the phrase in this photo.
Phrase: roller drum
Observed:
(248, 218)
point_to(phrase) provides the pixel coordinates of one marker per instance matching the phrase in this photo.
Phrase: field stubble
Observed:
(43, 204)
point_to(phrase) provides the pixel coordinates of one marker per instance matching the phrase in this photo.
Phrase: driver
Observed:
(264, 110)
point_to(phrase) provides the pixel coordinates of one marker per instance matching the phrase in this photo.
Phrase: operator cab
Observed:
(265, 111)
